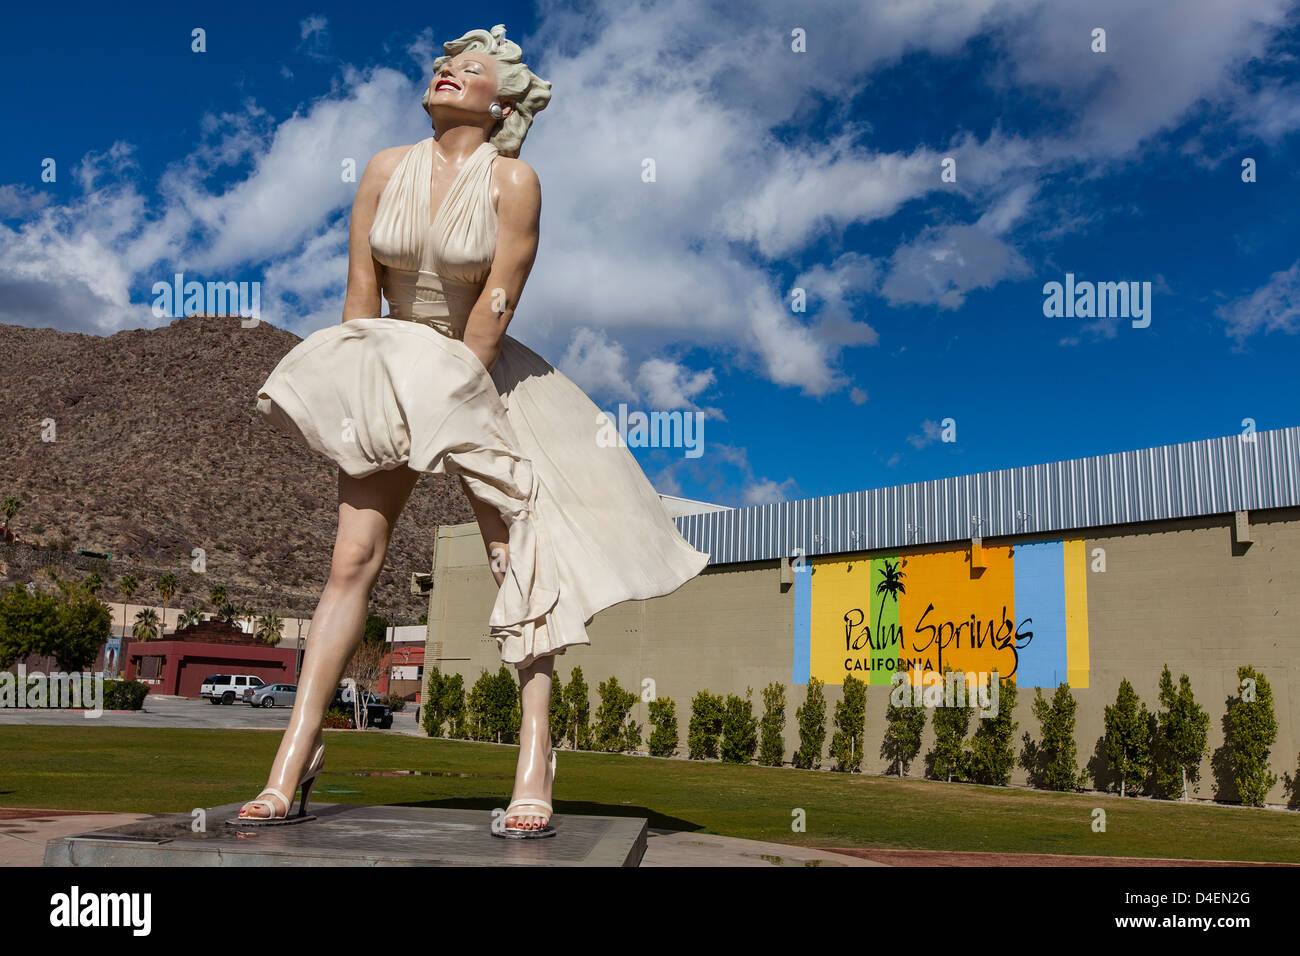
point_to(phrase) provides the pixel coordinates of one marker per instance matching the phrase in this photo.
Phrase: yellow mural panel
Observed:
(954, 617)
(871, 616)
(1078, 660)
(840, 600)
(1021, 610)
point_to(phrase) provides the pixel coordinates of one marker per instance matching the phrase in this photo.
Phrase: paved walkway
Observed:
(23, 833)
(161, 710)
(958, 858)
(679, 848)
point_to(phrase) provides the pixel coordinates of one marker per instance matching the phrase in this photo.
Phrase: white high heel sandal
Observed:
(306, 783)
(521, 833)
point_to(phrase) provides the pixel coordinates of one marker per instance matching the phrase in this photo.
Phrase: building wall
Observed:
(1181, 592)
(186, 663)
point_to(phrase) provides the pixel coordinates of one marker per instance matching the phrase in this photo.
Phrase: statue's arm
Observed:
(519, 210)
(363, 299)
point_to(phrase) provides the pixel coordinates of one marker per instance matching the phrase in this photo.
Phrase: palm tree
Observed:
(227, 613)
(94, 582)
(9, 507)
(146, 625)
(891, 585)
(249, 613)
(127, 585)
(166, 587)
(192, 616)
(268, 628)
(217, 595)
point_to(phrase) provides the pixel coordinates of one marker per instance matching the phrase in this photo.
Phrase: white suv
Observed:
(228, 688)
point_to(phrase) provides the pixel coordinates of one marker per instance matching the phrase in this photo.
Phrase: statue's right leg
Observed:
(368, 510)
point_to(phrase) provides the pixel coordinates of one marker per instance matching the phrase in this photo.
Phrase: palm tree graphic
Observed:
(891, 585)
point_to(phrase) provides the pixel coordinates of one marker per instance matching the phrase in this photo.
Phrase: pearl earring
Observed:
(495, 110)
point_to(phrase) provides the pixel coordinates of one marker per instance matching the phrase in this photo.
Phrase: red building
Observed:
(179, 664)
(403, 670)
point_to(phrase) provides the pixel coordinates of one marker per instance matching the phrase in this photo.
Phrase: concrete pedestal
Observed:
(352, 835)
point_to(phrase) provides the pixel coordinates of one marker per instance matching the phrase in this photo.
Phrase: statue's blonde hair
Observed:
(527, 91)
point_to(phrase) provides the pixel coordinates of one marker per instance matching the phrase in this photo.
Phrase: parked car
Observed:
(377, 714)
(227, 688)
(273, 695)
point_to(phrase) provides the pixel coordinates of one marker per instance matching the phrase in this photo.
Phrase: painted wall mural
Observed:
(1024, 614)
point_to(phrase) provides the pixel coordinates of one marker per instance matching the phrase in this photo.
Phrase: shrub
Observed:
(559, 717)
(904, 725)
(1056, 757)
(452, 702)
(812, 727)
(1251, 733)
(431, 711)
(494, 711)
(614, 730)
(705, 727)
(1128, 738)
(739, 729)
(663, 739)
(948, 758)
(850, 726)
(1182, 738)
(771, 745)
(337, 718)
(124, 694)
(577, 710)
(992, 751)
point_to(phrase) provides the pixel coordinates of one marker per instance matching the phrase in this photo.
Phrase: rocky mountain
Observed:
(157, 448)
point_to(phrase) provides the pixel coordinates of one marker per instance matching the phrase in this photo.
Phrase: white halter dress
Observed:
(587, 529)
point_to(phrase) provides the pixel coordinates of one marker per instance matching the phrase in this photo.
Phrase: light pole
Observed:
(392, 655)
(298, 652)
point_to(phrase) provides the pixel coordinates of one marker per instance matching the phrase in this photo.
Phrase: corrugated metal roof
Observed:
(1207, 477)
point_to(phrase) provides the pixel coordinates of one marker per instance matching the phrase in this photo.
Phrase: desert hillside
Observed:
(159, 449)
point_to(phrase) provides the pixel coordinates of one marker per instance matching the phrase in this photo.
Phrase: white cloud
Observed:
(836, 291)
(315, 37)
(1162, 60)
(943, 265)
(765, 491)
(1274, 306)
(723, 469)
(19, 202)
(597, 366)
(929, 434)
(688, 257)
(671, 385)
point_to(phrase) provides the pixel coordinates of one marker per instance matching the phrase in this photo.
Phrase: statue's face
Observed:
(467, 81)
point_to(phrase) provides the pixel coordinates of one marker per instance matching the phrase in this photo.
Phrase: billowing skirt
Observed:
(586, 528)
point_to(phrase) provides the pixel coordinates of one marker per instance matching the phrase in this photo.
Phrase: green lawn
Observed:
(169, 771)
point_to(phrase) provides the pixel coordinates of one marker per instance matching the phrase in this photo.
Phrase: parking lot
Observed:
(162, 711)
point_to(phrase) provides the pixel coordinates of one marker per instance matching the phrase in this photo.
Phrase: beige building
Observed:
(1121, 564)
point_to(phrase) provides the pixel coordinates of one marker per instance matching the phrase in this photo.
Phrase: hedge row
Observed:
(1158, 754)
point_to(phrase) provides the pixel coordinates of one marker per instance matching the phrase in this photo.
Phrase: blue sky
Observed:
(775, 170)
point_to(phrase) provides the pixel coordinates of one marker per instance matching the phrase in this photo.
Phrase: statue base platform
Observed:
(353, 835)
